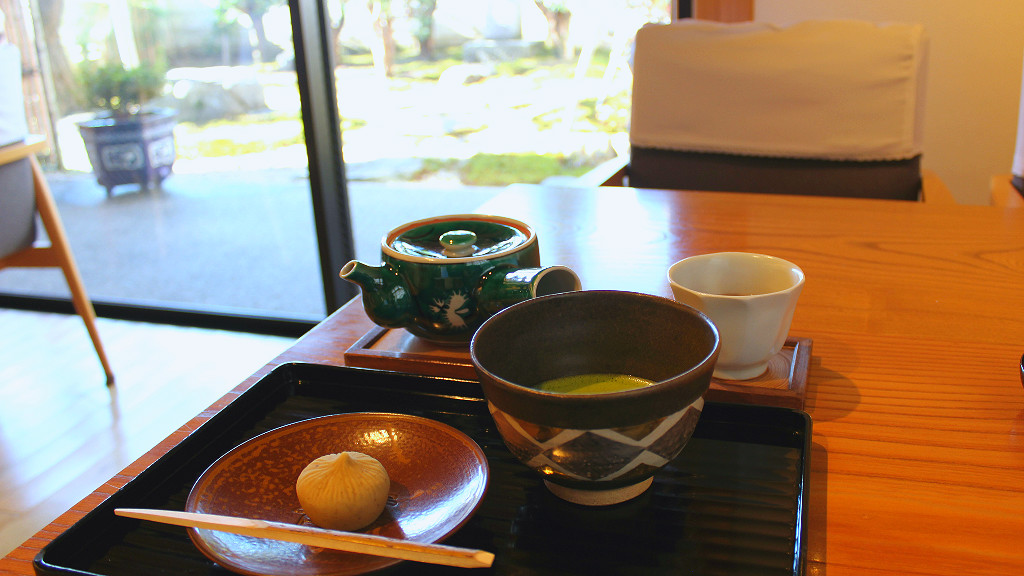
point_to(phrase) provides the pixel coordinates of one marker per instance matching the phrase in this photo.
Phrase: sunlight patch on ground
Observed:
(397, 121)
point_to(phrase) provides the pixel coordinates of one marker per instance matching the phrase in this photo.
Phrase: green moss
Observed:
(433, 166)
(244, 135)
(505, 169)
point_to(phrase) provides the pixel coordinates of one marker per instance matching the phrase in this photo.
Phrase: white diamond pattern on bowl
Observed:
(574, 453)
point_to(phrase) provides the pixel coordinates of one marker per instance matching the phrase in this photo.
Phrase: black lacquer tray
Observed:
(734, 502)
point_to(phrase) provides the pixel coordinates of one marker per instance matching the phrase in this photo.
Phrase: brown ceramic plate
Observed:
(438, 477)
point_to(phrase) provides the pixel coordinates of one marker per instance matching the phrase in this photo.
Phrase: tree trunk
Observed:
(566, 50)
(336, 25)
(264, 48)
(422, 14)
(51, 14)
(384, 51)
(558, 31)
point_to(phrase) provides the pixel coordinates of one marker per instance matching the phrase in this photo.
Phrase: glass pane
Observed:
(445, 102)
(212, 212)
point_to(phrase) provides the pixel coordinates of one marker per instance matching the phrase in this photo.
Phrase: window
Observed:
(438, 105)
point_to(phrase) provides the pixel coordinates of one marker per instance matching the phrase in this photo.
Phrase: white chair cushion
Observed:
(1018, 151)
(840, 90)
(13, 127)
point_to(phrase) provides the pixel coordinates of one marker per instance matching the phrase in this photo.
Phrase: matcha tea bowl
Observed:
(596, 390)
(441, 277)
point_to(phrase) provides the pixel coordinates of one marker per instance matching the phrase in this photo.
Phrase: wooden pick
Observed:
(312, 536)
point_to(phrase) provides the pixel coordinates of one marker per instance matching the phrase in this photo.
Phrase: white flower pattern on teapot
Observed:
(452, 310)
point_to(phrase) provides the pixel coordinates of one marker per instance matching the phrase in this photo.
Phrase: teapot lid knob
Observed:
(458, 243)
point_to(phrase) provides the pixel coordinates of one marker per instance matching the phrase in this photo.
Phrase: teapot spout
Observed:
(386, 297)
(505, 287)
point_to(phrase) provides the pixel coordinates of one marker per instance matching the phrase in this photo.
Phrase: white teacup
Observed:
(750, 297)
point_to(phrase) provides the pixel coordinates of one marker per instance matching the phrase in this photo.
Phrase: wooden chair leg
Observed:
(62, 250)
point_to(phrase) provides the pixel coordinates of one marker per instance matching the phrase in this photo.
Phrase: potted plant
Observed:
(127, 143)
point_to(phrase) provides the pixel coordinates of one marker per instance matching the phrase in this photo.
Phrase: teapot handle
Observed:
(503, 287)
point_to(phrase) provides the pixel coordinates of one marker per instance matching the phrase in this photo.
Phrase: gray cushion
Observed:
(17, 207)
(657, 168)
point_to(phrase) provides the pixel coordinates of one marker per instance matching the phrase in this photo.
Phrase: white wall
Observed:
(974, 78)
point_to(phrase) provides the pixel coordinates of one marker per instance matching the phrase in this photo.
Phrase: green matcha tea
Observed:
(593, 384)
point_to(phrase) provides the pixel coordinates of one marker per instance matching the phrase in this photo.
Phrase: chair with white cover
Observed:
(828, 108)
(1007, 190)
(25, 195)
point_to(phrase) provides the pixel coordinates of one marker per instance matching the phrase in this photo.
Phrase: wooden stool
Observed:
(58, 253)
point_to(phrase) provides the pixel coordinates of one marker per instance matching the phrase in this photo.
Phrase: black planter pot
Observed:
(137, 149)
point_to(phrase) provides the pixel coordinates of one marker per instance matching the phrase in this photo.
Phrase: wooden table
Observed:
(917, 316)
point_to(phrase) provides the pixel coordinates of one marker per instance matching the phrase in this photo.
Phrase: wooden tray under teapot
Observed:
(398, 351)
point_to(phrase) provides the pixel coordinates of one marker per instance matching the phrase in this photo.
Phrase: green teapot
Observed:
(441, 277)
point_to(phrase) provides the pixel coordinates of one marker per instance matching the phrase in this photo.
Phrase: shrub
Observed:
(122, 92)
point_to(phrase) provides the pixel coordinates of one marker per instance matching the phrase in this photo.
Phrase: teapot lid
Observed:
(459, 236)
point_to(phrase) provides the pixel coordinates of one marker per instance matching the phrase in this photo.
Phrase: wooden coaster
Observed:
(782, 384)
(398, 351)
